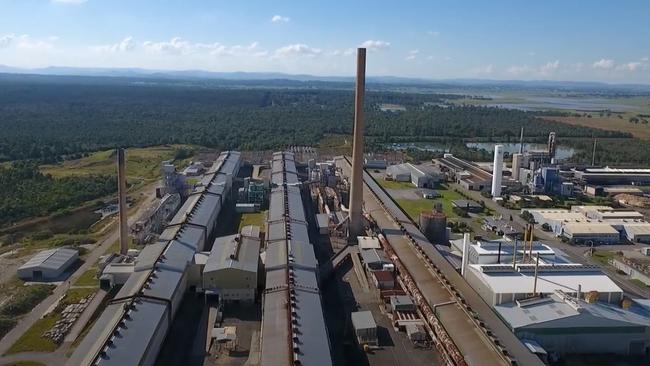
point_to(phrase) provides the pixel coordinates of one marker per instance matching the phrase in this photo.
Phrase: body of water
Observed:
(562, 152)
(422, 146)
(578, 104)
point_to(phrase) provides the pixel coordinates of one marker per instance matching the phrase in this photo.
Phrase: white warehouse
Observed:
(48, 264)
(416, 175)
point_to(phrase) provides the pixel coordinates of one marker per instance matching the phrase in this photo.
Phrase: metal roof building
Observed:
(564, 324)
(499, 284)
(132, 328)
(48, 264)
(293, 326)
(231, 268)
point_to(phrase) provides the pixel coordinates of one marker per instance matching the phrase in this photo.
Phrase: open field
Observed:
(391, 184)
(32, 339)
(413, 207)
(254, 218)
(141, 163)
(612, 123)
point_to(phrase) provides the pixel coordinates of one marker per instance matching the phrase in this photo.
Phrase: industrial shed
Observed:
(231, 269)
(48, 264)
(365, 328)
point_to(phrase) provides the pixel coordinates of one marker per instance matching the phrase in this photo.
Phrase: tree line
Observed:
(48, 118)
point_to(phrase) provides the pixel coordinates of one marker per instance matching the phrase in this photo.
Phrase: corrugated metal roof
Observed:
(50, 259)
(162, 279)
(363, 320)
(289, 254)
(136, 337)
(223, 256)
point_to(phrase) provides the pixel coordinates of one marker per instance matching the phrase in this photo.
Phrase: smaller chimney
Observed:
(465, 254)
(535, 282)
(579, 293)
(514, 255)
(121, 191)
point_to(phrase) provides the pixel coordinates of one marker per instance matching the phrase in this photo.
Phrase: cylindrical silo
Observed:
(434, 226)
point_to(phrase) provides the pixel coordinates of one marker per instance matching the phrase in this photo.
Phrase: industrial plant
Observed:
(322, 261)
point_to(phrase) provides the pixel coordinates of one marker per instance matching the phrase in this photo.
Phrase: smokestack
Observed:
(514, 255)
(535, 283)
(121, 190)
(593, 155)
(497, 171)
(356, 191)
(551, 147)
(521, 141)
(579, 293)
(465, 259)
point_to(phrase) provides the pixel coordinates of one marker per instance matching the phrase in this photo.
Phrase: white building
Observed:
(232, 267)
(497, 171)
(597, 224)
(501, 251)
(416, 175)
(501, 284)
(48, 264)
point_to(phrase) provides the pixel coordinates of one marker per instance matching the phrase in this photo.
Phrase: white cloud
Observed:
(519, 70)
(280, 19)
(6, 40)
(174, 46)
(483, 70)
(549, 68)
(179, 46)
(373, 45)
(72, 2)
(605, 64)
(413, 54)
(127, 44)
(433, 33)
(633, 66)
(531, 53)
(27, 42)
(297, 49)
(645, 59)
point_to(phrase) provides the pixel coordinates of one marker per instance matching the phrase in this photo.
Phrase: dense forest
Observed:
(45, 118)
(27, 192)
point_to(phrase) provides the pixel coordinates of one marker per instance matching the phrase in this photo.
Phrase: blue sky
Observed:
(556, 40)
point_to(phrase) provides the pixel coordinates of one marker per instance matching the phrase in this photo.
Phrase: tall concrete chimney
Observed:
(465, 258)
(121, 190)
(497, 171)
(521, 141)
(356, 191)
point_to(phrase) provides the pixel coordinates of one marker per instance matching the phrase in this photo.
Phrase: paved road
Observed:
(575, 253)
(28, 320)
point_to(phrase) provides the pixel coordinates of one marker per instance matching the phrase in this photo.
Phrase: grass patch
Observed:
(141, 163)
(414, 207)
(604, 256)
(446, 196)
(88, 278)
(74, 295)
(391, 184)
(23, 298)
(26, 363)
(638, 282)
(33, 341)
(253, 218)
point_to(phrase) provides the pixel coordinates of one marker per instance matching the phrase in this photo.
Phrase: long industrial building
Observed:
(293, 325)
(467, 330)
(134, 325)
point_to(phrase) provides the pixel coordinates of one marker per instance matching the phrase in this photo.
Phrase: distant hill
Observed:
(442, 84)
